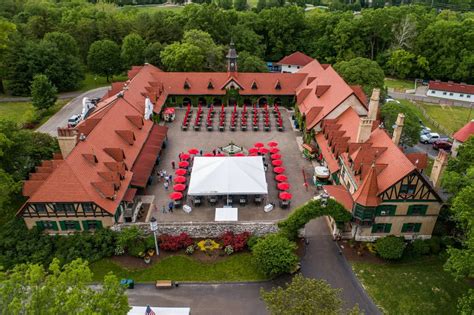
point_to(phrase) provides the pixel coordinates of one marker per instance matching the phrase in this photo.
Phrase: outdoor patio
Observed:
(181, 141)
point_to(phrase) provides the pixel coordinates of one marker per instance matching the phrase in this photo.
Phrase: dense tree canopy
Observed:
(133, 50)
(30, 289)
(361, 71)
(411, 126)
(104, 58)
(43, 93)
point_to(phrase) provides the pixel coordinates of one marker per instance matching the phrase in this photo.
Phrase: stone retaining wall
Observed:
(206, 229)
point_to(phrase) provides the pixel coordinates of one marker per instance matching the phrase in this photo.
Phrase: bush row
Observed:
(394, 248)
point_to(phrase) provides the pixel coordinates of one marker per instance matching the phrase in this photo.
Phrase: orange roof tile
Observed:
(327, 154)
(367, 194)
(296, 58)
(420, 160)
(341, 194)
(465, 132)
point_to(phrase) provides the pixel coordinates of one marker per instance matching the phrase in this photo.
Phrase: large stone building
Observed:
(107, 160)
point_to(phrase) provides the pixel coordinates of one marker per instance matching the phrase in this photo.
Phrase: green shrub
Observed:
(150, 242)
(252, 241)
(275, 255)
(420, 247)
(138, 249)
(390, 247)
(435, 244)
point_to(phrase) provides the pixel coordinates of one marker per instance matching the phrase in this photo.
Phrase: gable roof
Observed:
(296, 58)
(465, 132)
(451, 87)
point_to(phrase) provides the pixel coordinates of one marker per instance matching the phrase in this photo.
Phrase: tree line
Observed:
(63, 40)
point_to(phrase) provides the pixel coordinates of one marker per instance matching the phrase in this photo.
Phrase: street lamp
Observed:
(154, 229)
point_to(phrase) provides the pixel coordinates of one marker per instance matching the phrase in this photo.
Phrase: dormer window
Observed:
(210, 86)
(186, 85)
(278, 86)
(254, 85)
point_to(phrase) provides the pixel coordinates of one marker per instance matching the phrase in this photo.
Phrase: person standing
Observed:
(173, 164)
(170, 179)
(166, 184)
(170, 207)
(200, 152)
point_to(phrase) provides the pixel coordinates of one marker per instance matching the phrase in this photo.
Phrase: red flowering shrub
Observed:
(237, 241)
(174, 243)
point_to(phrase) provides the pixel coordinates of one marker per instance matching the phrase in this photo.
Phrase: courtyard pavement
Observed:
(181, 141)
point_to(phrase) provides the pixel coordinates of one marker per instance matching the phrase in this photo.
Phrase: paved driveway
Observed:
(73, 107)
(322, 260)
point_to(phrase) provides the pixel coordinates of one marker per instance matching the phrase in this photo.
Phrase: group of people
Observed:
(167, 179)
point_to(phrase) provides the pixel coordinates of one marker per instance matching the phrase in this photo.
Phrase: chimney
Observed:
(374, 104)
(397, 131)
(365, 129)
(67, 139)
(438, 168)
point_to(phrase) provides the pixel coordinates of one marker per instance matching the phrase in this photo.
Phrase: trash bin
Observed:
(128, 283)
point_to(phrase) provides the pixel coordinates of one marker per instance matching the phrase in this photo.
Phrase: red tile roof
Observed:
(296, 58)
(367, 194)
(420, 160)
(341, 194)
(465, 132)
(359, 92)
(451, 87)
(327, 154)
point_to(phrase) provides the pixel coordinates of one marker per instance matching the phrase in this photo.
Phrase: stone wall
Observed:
(206, 229)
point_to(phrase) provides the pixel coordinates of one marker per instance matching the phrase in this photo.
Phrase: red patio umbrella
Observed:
(274, 150)
(277, 162)
(220, 154)
(176, 195)
(180, 172)
(253, 150)
(183, 164)
(239, 154)
(179, 187)
(180, 179)
(276, 156)
(193, 151)
(279, 169)
(263, 150)
(285, 195)
(253, 154)
(208, 154)
(283, 186)
(258, 145)
(184, 156)
(281, 178)
(272, 144)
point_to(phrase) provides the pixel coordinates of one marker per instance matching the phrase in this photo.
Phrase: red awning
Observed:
(146, 159)
(129, 194)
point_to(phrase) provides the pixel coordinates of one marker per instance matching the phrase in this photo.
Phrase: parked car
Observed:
(432, 137)
(73, 120)
(389, 99)
(424, 131)
(441, 144)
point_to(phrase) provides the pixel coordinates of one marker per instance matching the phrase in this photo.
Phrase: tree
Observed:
(401, 63)
(240, 5)
(249, 63)
(404, 33)
(361, 71)
(104, 58)
(6, 29)
(390, 247)
(275, 255)
(304, 296)
(182, 57)
(133, 50)
(225, 4)
(212, 53)
(43, 92)
(261, 4)
(60, 290)
(411, 126)
(152, 53)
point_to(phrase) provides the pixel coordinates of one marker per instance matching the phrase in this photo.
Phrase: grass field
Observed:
(450, 117)
(23, 112)
(238, 267)
(92, 81)
(399, 84)
(420, 287)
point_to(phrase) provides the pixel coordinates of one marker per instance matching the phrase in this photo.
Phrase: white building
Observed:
(294, 62)
(451, 91)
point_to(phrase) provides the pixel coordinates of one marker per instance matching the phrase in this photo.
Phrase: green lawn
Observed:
(92, 81)
(238, 267)
(20, 112)
(420, 287)
(417, 111)
(450, 117)
(23, 112)
(399, 84)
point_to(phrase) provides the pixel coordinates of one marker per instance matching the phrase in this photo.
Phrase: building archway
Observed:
(187, 101)
(248, 102)
(277, 101)
(262, 101)
(217, 101)
(202, 101)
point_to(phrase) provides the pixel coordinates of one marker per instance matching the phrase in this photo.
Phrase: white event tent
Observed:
(243, 175)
